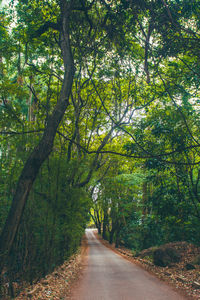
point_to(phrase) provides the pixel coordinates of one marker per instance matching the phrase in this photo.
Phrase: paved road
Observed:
(108, 276)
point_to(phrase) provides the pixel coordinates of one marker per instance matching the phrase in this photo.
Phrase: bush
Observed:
(163, 257)
(196, 261)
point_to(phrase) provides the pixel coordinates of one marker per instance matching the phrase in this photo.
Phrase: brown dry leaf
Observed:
(186, 281)
(57, 284)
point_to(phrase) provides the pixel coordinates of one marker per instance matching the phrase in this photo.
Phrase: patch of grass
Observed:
(148, 257)
(135, 252)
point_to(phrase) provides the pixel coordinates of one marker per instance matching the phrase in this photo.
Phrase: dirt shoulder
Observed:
(65, 278)
(186, 281)
(58, 284)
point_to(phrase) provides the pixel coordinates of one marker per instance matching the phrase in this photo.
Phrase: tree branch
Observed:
(22, 132)
(45, 27)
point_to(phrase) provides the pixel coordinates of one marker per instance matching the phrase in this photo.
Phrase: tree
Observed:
(41, 152)
(107, 71)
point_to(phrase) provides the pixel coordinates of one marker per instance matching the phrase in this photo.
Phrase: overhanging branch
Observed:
(45, 27)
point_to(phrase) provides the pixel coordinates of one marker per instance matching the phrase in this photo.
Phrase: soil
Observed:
(186, 281)
(110, 276)
(65, 278)
(58, 284)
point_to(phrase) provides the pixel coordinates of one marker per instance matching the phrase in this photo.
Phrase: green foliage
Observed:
(197, 260)
(135, 93)
(53, 223)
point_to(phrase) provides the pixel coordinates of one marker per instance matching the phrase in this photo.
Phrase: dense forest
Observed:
(99, 122)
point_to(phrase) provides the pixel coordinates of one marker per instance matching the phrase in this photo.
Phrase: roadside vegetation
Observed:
(99, 118)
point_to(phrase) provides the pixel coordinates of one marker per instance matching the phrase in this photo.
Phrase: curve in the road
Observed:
(108, 276)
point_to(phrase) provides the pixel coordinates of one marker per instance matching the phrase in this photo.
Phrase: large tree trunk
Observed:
(105, 223)
(42, 150)
(111, 235)
(117, 237)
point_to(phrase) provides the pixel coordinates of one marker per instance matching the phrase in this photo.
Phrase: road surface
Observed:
(108, 276)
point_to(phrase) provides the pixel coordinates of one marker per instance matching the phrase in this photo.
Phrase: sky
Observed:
(3, 2)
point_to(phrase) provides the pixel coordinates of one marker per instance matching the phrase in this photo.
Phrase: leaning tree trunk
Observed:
(42, 150)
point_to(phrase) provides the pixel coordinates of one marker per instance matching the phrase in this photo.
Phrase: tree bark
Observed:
(105, 222)
(43, 149)
(117, 237)
(111, 235)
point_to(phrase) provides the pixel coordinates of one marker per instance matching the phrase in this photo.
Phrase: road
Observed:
(108, 276)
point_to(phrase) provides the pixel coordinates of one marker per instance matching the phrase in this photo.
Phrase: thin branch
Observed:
(145, 157)
(158, 157)
(146, 66)
(168, 11)
(178, 108)
(19, 133)
(45, 27)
